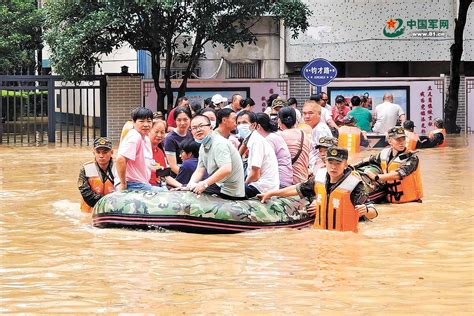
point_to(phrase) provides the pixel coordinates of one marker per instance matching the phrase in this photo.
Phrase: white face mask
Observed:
(213, 124)
(243, 130)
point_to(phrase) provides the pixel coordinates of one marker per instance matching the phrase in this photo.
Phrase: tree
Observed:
(452, 102)
(20, 35)
(80, 31)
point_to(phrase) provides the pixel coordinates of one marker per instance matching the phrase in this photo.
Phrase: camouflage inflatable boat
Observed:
(377, 192)
(186, 211)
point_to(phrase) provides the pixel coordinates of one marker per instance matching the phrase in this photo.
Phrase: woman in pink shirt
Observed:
(134, 154)
(297, 142)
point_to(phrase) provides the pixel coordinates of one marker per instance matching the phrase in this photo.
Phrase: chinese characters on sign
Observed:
(424, 24)
(426, 110)
(319, 72)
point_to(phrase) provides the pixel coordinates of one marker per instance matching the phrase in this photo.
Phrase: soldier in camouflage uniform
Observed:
(96, 177)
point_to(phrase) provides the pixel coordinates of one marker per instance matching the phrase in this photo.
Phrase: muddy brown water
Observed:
(414, 258)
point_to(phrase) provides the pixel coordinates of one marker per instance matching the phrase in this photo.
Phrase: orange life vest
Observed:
(97, 185)
(334, 210)
(412, 139)
(442, 131)
(349, 138)
(408, 189)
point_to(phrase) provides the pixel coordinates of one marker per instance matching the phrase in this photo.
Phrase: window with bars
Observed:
(244, 70)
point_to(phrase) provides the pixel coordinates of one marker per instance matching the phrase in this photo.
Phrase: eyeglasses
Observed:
(199, 127)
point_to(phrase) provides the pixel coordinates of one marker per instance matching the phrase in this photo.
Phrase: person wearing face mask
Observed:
(211, 115)
(401, 169)
(220, 160)
(262, 163)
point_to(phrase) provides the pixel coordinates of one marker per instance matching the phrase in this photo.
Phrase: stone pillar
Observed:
(123, 95)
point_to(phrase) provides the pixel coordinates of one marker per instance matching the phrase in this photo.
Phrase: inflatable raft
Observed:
(377, 193)
(186, 211)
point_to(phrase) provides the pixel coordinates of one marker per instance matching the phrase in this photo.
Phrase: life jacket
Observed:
(334, 210)
(95, 182)
(412, 139)
(349, 138)
(442, 131)
(408, 189)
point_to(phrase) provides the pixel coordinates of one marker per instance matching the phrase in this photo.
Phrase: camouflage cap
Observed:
(327, 141)
(102, 142)
(335, 153)
(278, 103)
(396, 132)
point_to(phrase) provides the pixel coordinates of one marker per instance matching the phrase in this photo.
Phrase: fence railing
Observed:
(37, 109)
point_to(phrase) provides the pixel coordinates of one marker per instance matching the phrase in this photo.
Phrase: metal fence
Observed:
(39, 109)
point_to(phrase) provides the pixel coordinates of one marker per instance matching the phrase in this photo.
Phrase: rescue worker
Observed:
(96, 177)
(412, 137)
(341, 200)
(436, 138)
(325, 142)
(400, 167)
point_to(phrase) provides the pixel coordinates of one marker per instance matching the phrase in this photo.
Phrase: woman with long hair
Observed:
(297, 142)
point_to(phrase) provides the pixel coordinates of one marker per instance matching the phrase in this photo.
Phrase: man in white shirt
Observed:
(312, 117)
(262, 164)
(326, 114)
(235, 103)
(387, 114)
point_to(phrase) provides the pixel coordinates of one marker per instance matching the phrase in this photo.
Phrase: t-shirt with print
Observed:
(134, 147)
(172, 142)
(261, 155)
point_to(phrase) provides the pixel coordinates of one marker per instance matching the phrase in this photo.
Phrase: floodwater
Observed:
(414, 258)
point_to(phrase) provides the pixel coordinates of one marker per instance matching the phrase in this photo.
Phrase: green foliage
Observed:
(20, 34)
(79, 32)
